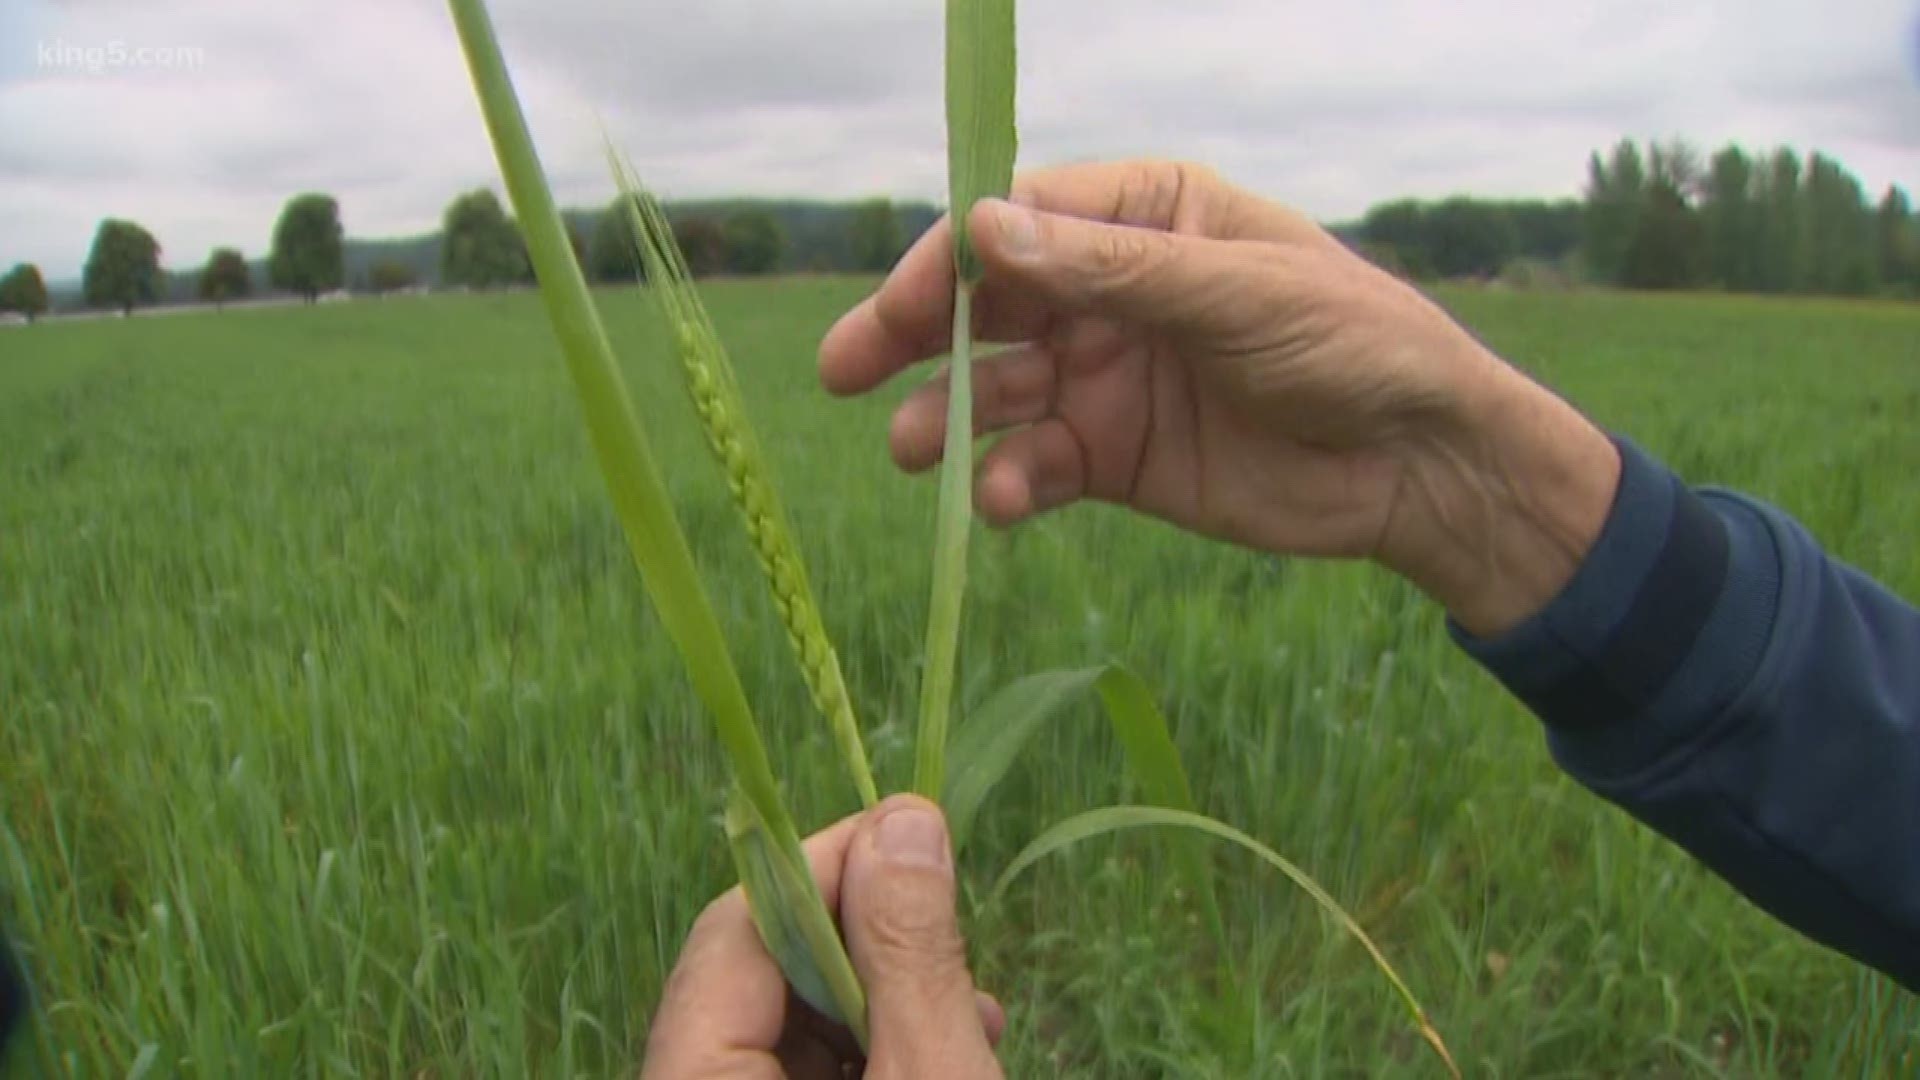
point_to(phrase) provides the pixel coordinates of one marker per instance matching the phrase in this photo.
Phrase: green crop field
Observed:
(336, 737)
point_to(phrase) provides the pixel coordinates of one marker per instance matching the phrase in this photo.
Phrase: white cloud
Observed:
(1330, 106)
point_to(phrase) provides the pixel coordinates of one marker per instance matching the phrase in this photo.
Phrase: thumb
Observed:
(897, 911)
(1143, 275)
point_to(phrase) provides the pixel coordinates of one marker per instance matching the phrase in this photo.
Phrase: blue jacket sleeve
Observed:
(1715, 673)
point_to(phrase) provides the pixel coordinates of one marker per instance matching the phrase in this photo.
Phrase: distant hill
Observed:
(819, 239)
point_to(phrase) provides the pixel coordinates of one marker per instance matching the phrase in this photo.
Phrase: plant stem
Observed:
(949, 557)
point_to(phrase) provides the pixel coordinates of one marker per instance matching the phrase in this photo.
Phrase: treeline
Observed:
(1660, 216)
(1663, 216)
(1464, 237)
(1776, 223)
(479, 246)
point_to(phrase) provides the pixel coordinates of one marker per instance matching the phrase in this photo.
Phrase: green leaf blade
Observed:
(993, 737)
(989, 741)
(982, 143)
(982, 139)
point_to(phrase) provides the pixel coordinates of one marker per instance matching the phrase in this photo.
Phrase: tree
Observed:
(1545, 230)
(1732, 221)
(1838, 229)
(876, 236)
(753, 242)
(1677, 164)
(1665, 248)
(390, 275)
(1897, 242)
(1400, 228)
(613, 256)
(703, 243)
(308, 255)
(1616, 189)
(123, 269)
(1468, 238)
(23, 290)
(226, 277)
(1778, 195)
(481, 247)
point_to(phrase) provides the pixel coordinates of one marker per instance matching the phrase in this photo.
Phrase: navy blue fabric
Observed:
(1711, 670)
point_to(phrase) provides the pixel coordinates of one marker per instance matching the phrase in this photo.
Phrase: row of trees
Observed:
(1654, 217)
(1462, 237)
(1663, 217)
(480, 247)
(123, 266)
(749, 241)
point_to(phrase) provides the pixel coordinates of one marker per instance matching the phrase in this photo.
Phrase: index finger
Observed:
(910, 318)
(725, 1003)
(1172, 196)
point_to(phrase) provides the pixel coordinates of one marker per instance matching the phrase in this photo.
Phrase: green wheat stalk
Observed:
(653, 531)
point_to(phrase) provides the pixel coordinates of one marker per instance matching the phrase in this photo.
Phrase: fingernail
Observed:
(1019, 233)
(913, 837)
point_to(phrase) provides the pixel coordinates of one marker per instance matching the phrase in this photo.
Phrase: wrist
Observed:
(1500, 502)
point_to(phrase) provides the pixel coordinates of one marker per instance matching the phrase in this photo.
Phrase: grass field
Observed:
(336, 737)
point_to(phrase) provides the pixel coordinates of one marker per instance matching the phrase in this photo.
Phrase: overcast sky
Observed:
(199, 117)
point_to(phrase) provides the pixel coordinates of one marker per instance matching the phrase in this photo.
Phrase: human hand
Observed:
(1199, 354)
(727, 1011)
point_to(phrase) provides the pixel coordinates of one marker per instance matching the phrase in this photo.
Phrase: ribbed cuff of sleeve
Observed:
(1658, 630)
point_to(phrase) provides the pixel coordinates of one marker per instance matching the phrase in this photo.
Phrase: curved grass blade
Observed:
(1116, 818)
(993, 736)
(639, 494)
(981, 145)
(708, 373)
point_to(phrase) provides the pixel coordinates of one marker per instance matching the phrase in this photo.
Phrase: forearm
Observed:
(1500, 500)
(1712, 671)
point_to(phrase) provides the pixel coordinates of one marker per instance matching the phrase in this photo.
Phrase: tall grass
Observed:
(339, 736)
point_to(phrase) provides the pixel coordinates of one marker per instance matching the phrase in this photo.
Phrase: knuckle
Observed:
(1143, 189)
(1162, 192)
(919, 925)
(1122, 259)
(1195, 176)
(1119, 251)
